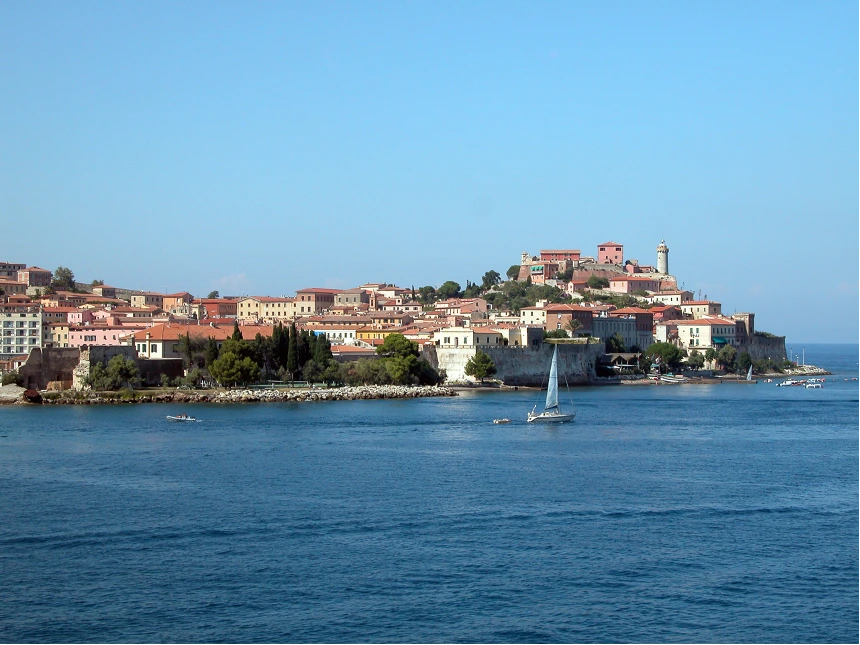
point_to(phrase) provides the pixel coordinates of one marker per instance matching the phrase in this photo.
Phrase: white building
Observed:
(20, 330)
(670, 297)
(603, 327)
(705, 333)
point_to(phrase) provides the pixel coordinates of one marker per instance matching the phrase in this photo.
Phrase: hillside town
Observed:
(613, 306)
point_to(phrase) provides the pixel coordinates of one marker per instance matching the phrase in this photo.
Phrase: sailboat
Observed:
(749, 374)
(551, 412)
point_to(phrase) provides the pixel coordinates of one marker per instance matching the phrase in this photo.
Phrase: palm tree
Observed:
(573, 325)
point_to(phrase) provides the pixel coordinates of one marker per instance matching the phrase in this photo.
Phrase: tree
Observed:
(119, 372)
(490, 280)
(230, 370)
(264, 355)
(400, 363)
(214, 294)
(596, 282)
(726, 356)
(573, 325)
(472, 290)
(615, 344)
(480, 366)
(397, 345)
(63, 279)
(555, 333)
(513, 272)
(241, 348)
(237, 333)
(193, 350)
(744, 362)
(696, 361)
(292, 365)
(427, 295)
(97, 283)
(281, 343)
(665, 354)
(710, 355)
(449, 289)
(210, 354)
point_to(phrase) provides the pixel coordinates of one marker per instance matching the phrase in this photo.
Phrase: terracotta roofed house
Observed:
(314, 300)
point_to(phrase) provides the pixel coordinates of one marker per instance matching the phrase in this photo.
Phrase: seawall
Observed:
(522, 366)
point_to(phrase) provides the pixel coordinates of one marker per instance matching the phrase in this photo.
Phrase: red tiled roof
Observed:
(631, 310)
(610, 244)
(218, 332)
(563, 307)
(705, 321)
(630, 278)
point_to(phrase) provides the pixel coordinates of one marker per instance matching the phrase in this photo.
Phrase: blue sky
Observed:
(262, 148)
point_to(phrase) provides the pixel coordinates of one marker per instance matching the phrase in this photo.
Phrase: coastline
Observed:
(20, 396)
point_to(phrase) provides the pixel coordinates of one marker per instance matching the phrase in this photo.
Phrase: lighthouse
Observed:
(662, 257)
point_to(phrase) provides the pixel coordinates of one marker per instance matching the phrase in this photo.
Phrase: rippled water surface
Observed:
(677, 513)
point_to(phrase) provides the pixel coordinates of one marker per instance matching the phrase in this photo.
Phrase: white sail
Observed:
(749, 374)
(552, 386)
(551, 413)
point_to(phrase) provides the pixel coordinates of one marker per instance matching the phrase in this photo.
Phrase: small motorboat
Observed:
(500, 421)
(813, 386)
(181, 418)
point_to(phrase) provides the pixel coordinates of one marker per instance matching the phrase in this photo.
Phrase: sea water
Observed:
(718, 513)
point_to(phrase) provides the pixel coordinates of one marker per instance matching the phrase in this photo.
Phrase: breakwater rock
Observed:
(334, 394)
(245, 395)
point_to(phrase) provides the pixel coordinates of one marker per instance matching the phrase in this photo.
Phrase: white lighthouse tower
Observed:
(662, 257)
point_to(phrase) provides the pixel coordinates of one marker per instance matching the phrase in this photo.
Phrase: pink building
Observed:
(215, 308)
(571, 256)
(610, 253)
(666, 312)
(631, 283)
(57, 314)
(80, 316)
(101, 335)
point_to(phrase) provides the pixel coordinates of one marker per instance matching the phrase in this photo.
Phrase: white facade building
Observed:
(20, 331)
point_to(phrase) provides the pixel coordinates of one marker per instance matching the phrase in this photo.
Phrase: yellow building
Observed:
(55, 334)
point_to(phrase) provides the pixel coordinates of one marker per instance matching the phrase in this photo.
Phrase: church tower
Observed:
(662, 257)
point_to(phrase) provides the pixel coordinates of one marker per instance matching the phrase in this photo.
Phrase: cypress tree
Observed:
(283, 348)
(292, 354)
(303, 353)
(211, 353)
(237, 333)
(322, 350)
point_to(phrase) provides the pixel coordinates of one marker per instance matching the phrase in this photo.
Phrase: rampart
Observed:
(51, 364)
(759, 347)
(522, 366)
(150, 369)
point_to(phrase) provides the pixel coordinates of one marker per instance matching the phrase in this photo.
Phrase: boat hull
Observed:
(550, 418)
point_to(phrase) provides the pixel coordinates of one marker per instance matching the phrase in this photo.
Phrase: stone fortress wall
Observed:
(522, 366)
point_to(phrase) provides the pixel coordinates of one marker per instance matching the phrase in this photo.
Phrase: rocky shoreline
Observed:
(15, 395)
